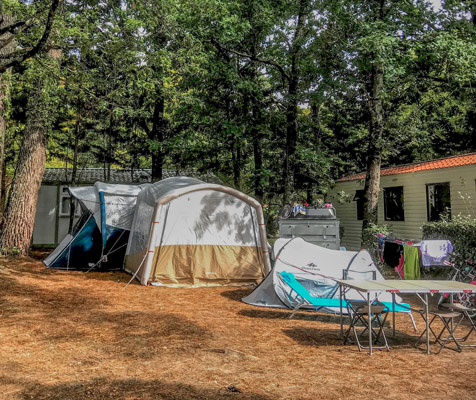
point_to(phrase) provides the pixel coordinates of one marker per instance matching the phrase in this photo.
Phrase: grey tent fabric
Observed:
(120, 202)
(145, 206)
(100, 235)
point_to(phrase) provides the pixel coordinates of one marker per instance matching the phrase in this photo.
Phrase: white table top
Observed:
(410, 286)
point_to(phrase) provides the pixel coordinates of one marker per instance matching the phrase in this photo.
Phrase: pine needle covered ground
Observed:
(71, 335)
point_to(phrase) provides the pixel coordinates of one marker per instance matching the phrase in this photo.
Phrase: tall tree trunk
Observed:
(236, 160)
(109, 157)
(291, 138)
(316, 119)
(157, 136)
(3, 191)
(134, 152)
(74, 172)
(257, 151)
(375, 149)
(472, 10)
(256, 121)
(374, 154)
(4, 93)
(292, 102)
(104, 155)
(17, 230)
(4, 86)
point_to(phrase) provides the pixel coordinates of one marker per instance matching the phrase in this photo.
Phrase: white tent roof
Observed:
(154, 192)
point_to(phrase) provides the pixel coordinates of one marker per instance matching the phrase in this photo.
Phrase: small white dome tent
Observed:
(317, 269)
(188, 233)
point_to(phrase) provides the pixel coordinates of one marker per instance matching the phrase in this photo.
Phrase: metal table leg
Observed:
(341, 319)
(427, 325)
(393, 312)
(369, 316)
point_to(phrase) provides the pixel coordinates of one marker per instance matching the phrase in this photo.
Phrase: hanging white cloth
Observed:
(435, 252)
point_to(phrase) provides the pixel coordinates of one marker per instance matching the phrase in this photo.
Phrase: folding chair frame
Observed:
(447, 318)
(465, 311)
(359, 313)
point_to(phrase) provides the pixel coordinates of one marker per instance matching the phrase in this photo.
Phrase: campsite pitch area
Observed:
(71, 335)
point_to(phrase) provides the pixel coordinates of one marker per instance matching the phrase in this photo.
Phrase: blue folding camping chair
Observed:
(299, 297)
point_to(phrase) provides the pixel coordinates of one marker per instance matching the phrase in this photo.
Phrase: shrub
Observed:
(461, 231)
(370, 243)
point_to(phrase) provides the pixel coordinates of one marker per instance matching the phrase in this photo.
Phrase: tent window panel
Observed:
(359, 198)
(120, 210)
(438, 201)
(65, 203)
(393, 204)
(141, 228)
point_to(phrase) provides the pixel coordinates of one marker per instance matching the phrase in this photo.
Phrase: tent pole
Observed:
(341, 320)
(103, 221)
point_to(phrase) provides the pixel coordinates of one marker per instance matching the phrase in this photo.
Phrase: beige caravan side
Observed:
(462, 182)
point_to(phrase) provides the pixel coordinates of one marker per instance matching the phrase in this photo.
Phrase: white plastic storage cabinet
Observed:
(319, 226)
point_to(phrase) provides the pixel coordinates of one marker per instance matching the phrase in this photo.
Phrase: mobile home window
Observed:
(65, 203)
(359, 198)
(393, 204)
(438, 200)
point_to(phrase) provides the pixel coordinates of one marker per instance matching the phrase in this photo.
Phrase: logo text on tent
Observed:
(312, 266)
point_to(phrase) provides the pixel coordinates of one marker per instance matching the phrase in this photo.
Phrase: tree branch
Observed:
(12, 27)
(469, 85)
(427, 21)
(17, 58)
(253, 58)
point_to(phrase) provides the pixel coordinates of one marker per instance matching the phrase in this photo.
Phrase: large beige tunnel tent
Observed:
(189, 233)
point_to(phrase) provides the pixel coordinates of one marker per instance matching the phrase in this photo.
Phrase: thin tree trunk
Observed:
(4, 94)
(291, 139)
(157, 135)
(4, 89)
(109, 157)
(315, 118)
(17, 230)
(292, 103)
(134, 153)
(375, 149)
(374, 155)
(74, 172)
(255, 129)
(257, 151)
(104, 161)
(3, 191)
(236, 160)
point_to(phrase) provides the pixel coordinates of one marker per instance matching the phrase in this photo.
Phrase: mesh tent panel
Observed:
(146, 203)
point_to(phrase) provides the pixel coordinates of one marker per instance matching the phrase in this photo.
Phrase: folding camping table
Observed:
(369, 290)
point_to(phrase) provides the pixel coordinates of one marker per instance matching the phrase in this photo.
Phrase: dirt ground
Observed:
(71, 335)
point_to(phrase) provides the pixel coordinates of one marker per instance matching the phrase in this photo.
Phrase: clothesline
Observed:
(407, 257)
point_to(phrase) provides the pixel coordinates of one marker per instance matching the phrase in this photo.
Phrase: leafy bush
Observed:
(370, 235)
(461, 231)
(370, 243)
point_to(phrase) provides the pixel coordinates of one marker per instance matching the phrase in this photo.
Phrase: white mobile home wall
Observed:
(463, 201)
(50, 226)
